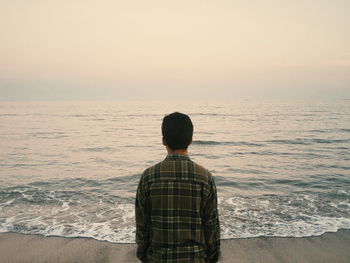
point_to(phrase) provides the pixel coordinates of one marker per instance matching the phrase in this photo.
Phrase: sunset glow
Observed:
(135, 49)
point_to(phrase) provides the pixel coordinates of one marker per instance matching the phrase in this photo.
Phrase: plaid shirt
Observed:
(176, 213)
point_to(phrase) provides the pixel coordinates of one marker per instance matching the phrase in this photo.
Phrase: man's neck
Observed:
(180, 151)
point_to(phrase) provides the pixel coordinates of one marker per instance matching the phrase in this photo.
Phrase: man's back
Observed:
(176, 213)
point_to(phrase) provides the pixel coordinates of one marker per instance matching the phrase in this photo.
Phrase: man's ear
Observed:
(164, 142)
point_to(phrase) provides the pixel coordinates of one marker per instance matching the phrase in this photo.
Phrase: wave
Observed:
(96, 149)
(330, 130)
(111, 218)
(237, 143)
(300, 141)
(8, 115)
(344, 130)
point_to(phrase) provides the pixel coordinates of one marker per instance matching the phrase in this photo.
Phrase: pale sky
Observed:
(157, 49)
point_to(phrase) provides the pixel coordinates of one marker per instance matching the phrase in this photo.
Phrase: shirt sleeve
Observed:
(212, 225)
(142, 223)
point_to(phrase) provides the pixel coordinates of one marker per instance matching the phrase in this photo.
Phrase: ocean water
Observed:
(282, 168)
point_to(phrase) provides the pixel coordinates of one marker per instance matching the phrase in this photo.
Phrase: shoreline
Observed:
(328, 247)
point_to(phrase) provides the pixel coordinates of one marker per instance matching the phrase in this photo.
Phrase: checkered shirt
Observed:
(176, 213)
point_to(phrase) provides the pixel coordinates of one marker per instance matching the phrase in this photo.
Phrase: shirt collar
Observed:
(177, 157)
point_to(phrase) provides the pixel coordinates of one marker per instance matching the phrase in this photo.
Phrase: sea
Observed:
(71, 169)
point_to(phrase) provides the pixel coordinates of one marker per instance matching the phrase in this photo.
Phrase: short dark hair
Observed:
(177, 130)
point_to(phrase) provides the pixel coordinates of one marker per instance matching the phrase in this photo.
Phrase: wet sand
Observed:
(330, 247)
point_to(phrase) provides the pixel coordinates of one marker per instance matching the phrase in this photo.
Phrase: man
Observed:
(176, 203)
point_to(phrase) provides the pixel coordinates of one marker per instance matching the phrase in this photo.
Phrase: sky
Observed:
(184, 49)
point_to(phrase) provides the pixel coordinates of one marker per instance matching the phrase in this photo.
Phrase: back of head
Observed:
(177, 130)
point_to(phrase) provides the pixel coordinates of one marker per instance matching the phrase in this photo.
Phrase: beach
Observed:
(329, 247)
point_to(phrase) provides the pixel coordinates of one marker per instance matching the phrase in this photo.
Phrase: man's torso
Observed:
(176, 189)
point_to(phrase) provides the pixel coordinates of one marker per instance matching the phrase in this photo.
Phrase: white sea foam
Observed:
(240, 217)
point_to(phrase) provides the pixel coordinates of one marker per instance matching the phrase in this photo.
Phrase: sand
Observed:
(330, 248)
